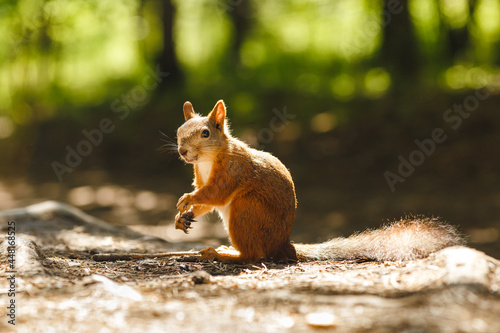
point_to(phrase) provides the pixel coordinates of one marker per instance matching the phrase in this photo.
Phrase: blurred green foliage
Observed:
(70, 59)
(84, 92)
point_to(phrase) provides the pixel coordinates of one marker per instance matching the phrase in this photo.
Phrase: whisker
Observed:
(167, 148)
(170, 145)
(166, 138)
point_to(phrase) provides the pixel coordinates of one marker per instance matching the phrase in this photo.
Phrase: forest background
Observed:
(379, 108)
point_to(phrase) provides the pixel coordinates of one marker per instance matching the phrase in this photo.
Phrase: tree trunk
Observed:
(241, 15)
(167, 59)
(399, 50)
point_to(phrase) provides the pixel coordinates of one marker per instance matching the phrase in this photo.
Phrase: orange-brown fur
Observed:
(258, 192)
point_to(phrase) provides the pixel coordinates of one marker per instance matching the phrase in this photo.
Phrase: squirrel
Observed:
(255, 195)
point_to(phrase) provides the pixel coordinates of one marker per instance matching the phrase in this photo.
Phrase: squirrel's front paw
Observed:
(185, 202)
(208, 254)
(183, 221)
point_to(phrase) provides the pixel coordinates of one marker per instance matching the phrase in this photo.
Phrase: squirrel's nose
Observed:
(183, 151)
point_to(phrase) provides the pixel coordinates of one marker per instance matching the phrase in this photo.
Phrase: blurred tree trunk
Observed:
(457, 40)
(167, 59)
(399, 48)
(241, 14)
(399, 52)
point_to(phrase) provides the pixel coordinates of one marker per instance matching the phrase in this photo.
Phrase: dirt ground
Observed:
(61, 288)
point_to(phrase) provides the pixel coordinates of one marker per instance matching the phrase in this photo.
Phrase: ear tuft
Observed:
(188, 111)
(218, 114)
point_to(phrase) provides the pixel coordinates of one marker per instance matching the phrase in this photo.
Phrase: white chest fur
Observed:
(205, 169)
(225, 213)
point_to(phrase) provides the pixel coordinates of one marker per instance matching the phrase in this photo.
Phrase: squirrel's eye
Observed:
(205, 133)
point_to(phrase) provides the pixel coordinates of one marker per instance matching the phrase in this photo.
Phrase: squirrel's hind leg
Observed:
(223, 254)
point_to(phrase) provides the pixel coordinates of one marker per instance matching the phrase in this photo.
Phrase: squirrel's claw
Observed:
(189, 219)
(183, 221)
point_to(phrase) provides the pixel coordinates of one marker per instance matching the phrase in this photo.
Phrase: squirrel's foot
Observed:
(225, 248)
(208, 254)
(183, 221)
(185, 202)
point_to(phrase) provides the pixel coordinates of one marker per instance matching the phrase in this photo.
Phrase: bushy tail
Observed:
(406, 239)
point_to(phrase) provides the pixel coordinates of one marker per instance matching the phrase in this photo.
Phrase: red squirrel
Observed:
(255, 196)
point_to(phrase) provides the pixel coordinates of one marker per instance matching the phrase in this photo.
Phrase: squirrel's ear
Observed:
(188, 111)
(218, 114)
